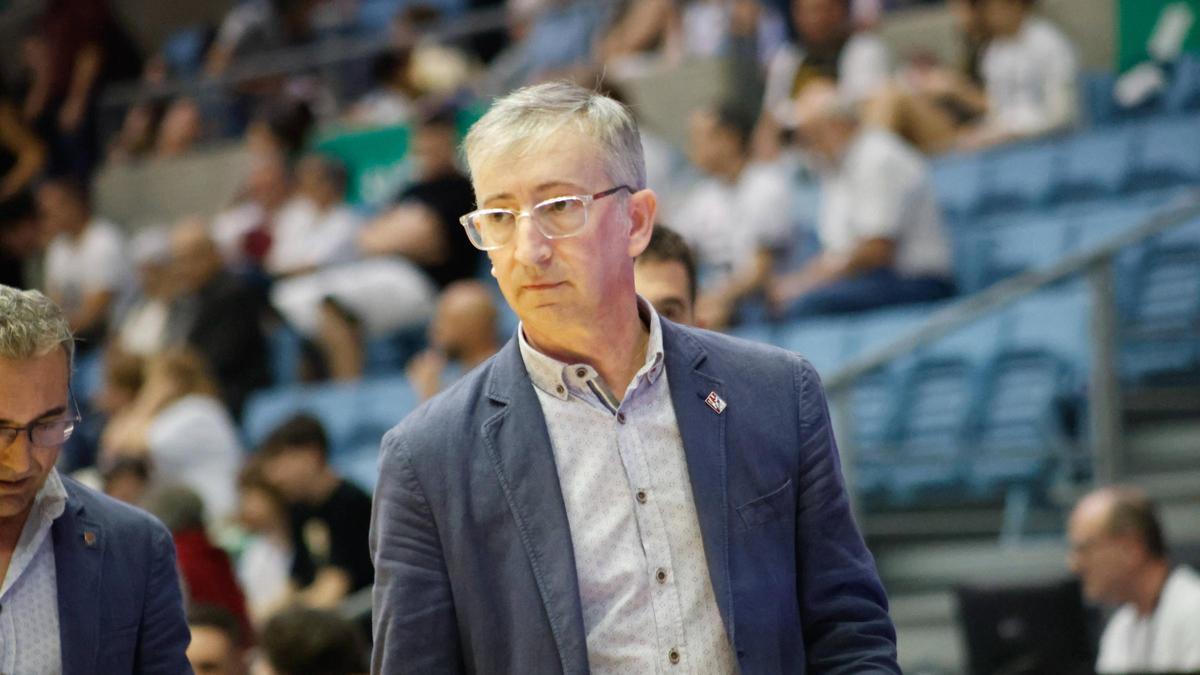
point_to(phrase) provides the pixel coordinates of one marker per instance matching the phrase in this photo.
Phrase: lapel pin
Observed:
(89, 539)
(715, 402)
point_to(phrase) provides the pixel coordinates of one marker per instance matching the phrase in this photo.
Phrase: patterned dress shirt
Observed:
(648, 603)
(29, 638)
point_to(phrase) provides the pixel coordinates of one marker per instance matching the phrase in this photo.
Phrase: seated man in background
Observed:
(463, 333)
(318, 227)
(1119, 552)
(665, 274)
(330, 517)
(1030, 79)
(217, 314)
(736, 217)
(305, 641)
(879, 224)
(217, 647)
(85, 261)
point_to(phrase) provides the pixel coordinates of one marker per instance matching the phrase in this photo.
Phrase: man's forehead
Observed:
(559, 158)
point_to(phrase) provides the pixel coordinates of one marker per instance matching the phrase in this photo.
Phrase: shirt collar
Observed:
(561, 380)
(51, 500)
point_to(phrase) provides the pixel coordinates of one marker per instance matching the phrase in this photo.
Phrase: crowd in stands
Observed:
(181, 315)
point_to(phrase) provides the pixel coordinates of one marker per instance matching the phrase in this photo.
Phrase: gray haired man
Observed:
(91, 582)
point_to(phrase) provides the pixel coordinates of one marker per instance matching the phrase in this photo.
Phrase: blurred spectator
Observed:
(280, 128)
(665, 275)
(124, 375)
(828, 49)
(310, 642)
(265, 565)
(463, 333)
(180, 427)
(205, 569)
(1030, 77)
(79, 47)
(639, 27)
(85, 262)
(22, 155)
(232, 342)
(21, 240)
(181, 128)
(317, 227)
(330, 517)
(879, 225)
(142, 328)
(736, 217)
(245, 231)
(127, 480)
(390, 100)
(217, 646)
(1120, 554)
(260, 26)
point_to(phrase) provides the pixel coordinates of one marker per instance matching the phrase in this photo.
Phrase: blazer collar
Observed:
(518, 445)
(78, 553)
(702, 429)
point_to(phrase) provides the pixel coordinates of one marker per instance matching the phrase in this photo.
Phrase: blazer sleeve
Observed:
(164, 634)
(843, 607)
(413, 609)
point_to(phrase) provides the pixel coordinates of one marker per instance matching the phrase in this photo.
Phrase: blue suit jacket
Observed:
(120, 606)
(474, 564)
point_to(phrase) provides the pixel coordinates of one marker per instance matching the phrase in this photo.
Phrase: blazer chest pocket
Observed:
(771, 506)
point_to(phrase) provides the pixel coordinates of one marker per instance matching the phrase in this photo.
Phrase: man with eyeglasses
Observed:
(87, 584)
(611, 492)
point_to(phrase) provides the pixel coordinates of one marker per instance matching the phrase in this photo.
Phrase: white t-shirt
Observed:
(93, 262)
(304, 237)
(864, 66)
(727, 224)
(1166, 641)
(882, 189)
(194, 442)
(263, 570)
(1031, 80)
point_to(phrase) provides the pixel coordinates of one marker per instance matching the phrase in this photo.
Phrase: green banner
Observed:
(1136, 21)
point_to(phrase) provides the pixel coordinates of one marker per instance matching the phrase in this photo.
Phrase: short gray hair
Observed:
(530, 115)
(31, 325)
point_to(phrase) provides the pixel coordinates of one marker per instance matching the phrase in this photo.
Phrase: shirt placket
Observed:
(652, 527)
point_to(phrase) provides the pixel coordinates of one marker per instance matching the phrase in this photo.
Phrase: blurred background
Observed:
(980, 220)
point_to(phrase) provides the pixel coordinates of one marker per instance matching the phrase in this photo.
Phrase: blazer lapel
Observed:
(78, 554)
(518, 445)
(702, 429)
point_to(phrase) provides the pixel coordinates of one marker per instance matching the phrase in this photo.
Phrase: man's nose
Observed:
(15, 460)
(531, 247)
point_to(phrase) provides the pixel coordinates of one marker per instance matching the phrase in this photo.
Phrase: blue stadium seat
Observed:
(1018, 435)
(1094, 164)
(878, 328)
(284, 345)
(823, 341)
(1183, 94)
(958, 182)
(930, 426)
(1020, 244)
(1019, 176)
(872, 400)
(1056, 320)
(1161, 334)
(1100, 106)
(974, 342)
(1167, 153)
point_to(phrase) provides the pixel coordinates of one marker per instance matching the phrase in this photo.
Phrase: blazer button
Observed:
(673, 656)
(661, 575)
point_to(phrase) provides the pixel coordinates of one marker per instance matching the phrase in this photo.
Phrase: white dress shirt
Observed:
(648, 602)
(90, 263)
(29, 637)
(1031, 80)
(1167, 640)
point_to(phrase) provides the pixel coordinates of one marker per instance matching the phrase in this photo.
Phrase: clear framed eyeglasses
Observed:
(557, 218)
(47, 434)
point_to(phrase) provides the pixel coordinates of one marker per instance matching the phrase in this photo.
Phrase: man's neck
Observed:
(733, 170)
(616, 347)
(325, 484)
(1149, 585)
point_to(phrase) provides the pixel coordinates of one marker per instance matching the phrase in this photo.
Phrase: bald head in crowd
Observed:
(1116, 544)
(825, 121)
(195, 258)
(464, 325)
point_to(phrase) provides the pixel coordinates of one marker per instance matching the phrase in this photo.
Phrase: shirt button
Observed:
(673, 656)
(621, 418)
(641, 496)
(560, 389)
(661, 575)
(580, 372)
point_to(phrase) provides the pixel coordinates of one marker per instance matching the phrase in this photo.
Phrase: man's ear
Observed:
(643, 206)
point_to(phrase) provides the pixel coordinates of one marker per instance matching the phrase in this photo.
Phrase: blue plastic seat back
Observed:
(1020, 176)
(1167, 152)
(1095, 164)
(934, 412)
(822, 340)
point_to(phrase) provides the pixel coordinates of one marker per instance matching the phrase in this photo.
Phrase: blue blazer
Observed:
(120, 605)
(475, 570)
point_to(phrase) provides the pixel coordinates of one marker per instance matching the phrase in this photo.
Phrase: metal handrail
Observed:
(971, 308)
